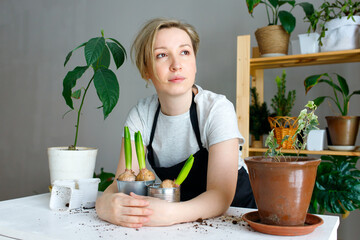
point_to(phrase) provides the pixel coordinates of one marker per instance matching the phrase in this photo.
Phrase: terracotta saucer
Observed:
(311, 222)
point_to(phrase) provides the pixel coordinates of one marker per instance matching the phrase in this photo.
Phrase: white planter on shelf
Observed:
(309, 43)
(67, 164)
(342, 34)
(315, 140)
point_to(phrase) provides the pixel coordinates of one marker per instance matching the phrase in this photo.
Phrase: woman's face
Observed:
(175, 62)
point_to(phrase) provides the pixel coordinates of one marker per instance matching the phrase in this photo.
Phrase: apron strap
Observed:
(194, 123)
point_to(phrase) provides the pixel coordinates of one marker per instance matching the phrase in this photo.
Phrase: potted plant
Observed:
(273, 40)
(75, 162)
(339, 25)
(342, 129)
(283, 185)
(282, 104)
(337, 188)
(259, 114)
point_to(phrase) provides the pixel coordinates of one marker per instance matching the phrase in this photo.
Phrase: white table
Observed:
(31, 218)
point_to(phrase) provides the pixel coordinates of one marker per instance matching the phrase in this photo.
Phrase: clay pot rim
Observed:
(300, 160)
(346, 117)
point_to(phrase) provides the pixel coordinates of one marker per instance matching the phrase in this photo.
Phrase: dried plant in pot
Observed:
(76, 162)
(273, 40)
(343, 129)
(283, 185)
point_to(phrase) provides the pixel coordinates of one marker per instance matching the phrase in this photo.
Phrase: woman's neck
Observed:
(175, 105)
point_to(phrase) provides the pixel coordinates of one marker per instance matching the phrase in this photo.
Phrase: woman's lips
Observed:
(177, 79)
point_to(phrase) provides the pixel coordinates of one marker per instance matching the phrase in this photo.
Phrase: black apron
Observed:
(195, 183)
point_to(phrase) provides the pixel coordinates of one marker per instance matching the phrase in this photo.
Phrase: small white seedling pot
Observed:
(73, 194)
(316, 140)
(89, 189)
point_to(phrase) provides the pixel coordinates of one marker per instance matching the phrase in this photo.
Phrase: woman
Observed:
(181, 119)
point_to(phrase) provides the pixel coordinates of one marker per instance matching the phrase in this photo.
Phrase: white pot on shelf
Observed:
(67, 164)
(342, 34)
(309, 43)
(315, 140)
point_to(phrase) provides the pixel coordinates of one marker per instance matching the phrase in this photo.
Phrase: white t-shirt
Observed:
(174, 138)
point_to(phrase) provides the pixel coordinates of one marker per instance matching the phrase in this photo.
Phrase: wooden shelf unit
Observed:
(247, 67)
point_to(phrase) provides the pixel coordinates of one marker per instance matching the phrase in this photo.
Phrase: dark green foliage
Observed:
(106, 179)
(259, 114)
(97, 56)
(337, 186)
(281, 103)
(341, 92)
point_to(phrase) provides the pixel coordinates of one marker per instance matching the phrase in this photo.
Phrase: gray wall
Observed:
(35, 37)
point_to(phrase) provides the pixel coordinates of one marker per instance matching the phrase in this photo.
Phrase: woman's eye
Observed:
(185, 52)
(160, 55)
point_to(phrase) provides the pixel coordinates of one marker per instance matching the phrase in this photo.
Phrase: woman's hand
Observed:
(123, 210)
(161, 210)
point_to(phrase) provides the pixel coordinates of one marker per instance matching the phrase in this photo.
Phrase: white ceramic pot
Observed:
(342, 34)
(315, 140)
(71, 164)
(309, 43)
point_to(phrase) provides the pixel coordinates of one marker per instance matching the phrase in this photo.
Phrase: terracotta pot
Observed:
(272, 40)
(282, 190)
(343, 129)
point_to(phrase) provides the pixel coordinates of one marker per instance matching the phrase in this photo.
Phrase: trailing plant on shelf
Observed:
(337, 187)
(306, 121)
(329, 11)
(281, 103)
(259, 114)
(341, 89)
(97, 55)
(283, 17)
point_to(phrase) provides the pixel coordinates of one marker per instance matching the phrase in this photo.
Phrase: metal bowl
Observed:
(137, 187)
(168, 194)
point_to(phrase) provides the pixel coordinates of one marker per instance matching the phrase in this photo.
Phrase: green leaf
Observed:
(94, 49)
(185, 170)
(127, 148)
(291, 2)
(139, 146)
(107, 89)
(104, 61)
(119, 44)
(274, 3)
(76, 94)
(70, 53)
(287, 20)
(251, 4)
(343, 84)
(117, 53)
(310, 82)
(70, 81)
(308, 8)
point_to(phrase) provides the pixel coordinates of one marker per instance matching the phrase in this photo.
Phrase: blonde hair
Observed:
(142, 50)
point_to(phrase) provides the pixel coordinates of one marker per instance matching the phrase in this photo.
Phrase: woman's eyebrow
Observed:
(182, 45)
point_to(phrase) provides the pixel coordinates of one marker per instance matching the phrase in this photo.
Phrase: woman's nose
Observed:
(175, 65)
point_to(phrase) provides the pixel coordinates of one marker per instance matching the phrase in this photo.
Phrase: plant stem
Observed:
(79, 112)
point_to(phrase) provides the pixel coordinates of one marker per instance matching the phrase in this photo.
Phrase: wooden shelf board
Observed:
(346, 56)
(324, 152)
